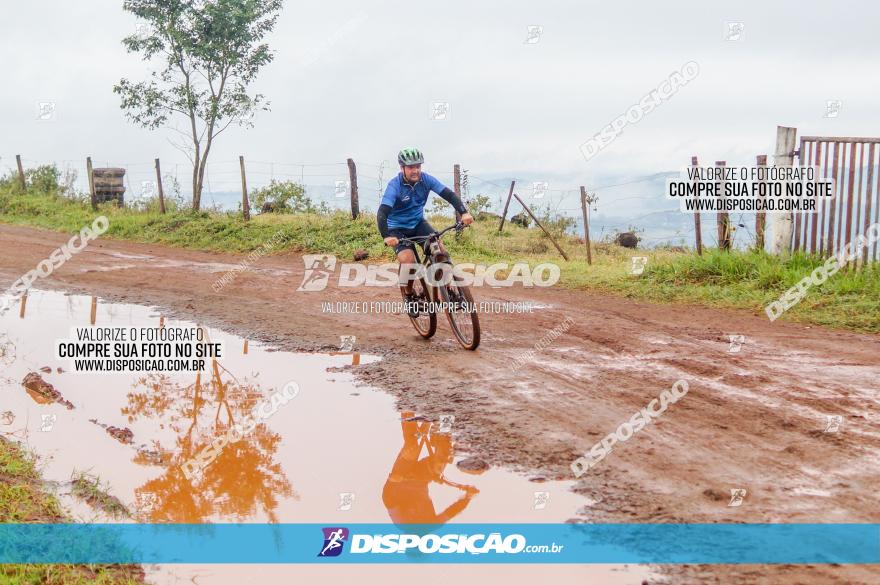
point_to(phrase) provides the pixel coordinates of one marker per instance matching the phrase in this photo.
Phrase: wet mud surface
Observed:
(790, 416)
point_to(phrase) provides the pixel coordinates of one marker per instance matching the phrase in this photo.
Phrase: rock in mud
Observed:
(472, 465)
(714, 494)
(148, 456)
(35, 383)
(416, 418)
(122, 434)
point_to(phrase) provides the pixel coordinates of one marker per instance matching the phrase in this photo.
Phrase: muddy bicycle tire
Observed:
(428, 328)
(455, 293)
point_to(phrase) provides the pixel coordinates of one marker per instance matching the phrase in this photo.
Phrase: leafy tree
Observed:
(210, 51)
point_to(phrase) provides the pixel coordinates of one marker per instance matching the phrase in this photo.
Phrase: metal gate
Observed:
(852, 164)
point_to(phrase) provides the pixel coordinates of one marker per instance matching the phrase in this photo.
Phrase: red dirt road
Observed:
(755, 419)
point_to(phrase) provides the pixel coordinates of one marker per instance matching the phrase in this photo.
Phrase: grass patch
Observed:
(743, 280)
(88, 488)
(23, 499)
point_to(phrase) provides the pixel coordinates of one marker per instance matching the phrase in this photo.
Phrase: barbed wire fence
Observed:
(329, 183)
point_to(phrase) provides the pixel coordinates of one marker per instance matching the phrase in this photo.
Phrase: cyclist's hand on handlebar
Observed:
(467, 219)
(391, 241)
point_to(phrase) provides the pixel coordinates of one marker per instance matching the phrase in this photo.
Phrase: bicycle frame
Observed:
(435, 250)
(435, 253)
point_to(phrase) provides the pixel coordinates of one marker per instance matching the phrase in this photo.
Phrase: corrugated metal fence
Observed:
(852, 164)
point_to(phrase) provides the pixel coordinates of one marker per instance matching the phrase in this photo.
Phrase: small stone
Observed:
(123, 435)
(417, 418)
(361, 254)
(472, 464)
(35, 383)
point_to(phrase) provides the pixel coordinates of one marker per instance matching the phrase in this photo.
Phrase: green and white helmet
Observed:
(410, 156)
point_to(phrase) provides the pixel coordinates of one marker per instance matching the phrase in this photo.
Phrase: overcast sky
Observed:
(357, 79)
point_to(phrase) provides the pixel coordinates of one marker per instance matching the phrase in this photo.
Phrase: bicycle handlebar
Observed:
(457, 227)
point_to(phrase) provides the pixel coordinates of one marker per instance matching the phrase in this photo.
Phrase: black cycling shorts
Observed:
(423, 228)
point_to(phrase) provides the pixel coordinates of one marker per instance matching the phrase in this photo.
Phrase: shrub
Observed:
(285, 197)
(43, 178)
(479, 204)
(556, 223)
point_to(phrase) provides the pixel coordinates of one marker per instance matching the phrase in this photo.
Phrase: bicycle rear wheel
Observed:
(461, 313)
(425, 319)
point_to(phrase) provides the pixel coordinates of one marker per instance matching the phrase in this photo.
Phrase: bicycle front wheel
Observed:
(423, 318)
(461, 313)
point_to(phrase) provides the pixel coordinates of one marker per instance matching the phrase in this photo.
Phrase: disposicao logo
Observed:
(318, 268)
(474, 544)
(334, 540)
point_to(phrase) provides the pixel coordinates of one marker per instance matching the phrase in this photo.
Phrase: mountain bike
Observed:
(447, 290)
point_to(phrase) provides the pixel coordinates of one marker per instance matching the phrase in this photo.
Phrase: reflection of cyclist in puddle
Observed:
(406, 489)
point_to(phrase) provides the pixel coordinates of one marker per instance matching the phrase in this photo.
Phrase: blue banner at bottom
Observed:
(447, 543)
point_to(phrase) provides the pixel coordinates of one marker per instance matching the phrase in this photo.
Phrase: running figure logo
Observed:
(318, 268)
(334, 540)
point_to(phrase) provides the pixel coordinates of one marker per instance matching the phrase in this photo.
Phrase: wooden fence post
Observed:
(584, 208)
(353, 181)
(529, 211)
(761, 216)
(20, 172)
(456, 182)
(698, 226)
(506, 204)
(161, 191)
(723, 218)
(245, 204)
(782, 222)
(91, 177)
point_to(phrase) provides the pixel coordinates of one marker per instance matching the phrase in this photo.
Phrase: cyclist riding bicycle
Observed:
(401, 214)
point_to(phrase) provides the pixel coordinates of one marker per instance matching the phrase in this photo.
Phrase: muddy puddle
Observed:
(337, 452)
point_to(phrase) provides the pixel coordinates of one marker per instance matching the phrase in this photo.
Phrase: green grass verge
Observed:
(743, 280)
(23, 499)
